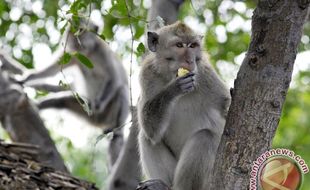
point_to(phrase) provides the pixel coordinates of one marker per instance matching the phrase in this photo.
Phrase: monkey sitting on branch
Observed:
(181, 111)
(106, 94)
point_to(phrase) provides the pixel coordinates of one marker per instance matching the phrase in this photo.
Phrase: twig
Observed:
(131, 54)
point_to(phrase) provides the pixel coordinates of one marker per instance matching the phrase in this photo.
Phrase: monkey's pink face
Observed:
(181, 53)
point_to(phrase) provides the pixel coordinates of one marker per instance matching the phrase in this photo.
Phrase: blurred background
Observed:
(31, 30)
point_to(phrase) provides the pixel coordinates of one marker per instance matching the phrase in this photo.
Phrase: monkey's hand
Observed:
(153, 184)
(186, 83)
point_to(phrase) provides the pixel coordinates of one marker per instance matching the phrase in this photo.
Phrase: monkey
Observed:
(7, 63)
(181, 118)
(107, 93)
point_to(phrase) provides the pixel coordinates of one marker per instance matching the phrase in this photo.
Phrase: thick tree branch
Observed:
(20, 169)
(259, 91)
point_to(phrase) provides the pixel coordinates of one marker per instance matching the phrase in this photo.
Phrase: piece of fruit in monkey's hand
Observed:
(182, 72)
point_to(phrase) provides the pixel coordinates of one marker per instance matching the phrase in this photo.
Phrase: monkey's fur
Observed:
(106, 89)
(181, 119)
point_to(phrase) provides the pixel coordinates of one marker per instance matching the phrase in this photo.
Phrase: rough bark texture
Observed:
(21, 120)
(259, 90)
(19, 170)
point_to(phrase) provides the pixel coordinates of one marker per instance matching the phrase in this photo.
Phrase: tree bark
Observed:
(259, 90)
(19, 169)
(21, 120)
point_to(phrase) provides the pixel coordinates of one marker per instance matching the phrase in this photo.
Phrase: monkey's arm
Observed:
(214, 88)
(10, 64)
(155, 109)
(49, 71)
(155, 112)
(47, 87)
(108, 91)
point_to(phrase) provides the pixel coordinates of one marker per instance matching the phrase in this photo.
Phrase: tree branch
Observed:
(19, 169)
(21, 120)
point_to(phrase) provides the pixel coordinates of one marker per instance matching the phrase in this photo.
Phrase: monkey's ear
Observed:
(96, 28)
(152, 41)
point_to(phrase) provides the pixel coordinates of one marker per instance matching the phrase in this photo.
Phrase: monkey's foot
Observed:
(153, 184)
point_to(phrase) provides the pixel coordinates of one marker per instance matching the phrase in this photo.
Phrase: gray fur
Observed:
(179, 130)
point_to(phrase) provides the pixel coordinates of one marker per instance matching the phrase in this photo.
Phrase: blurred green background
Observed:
(30, 26)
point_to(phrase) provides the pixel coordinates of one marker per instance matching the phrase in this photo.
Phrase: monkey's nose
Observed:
(189, 61)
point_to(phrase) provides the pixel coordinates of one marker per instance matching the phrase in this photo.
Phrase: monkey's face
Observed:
(180, 52)
(84, 40)
(175, 47)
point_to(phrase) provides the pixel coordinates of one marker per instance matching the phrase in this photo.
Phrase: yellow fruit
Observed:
(182, 72)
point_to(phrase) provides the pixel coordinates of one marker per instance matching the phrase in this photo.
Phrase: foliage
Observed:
(225, 25)
(86, 163)
(294, 128)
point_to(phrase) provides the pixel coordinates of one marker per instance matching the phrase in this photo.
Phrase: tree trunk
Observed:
(259, 90)
(19, 169)
(21, 120)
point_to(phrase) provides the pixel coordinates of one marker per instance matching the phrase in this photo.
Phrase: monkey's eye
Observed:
(169, 59)
(193, 45)
(179, 44)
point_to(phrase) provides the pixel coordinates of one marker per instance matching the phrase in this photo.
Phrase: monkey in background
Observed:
(181, 118)
(107, 90)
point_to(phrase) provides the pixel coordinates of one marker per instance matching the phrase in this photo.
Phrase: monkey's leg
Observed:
(153, 184)
(114, 117)
(115, 146)
(126, 172)
(157, 160)
(196, 161)
(47, 87)
(61, 100)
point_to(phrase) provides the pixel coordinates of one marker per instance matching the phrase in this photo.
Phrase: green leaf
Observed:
(75, 24)
(140, 49)
(76, 6)
(102, 37)
(63, 84)
(84, 103)
(83, 59)
(41, 93)
(62, 30)
(65, 59)
(118, 9)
